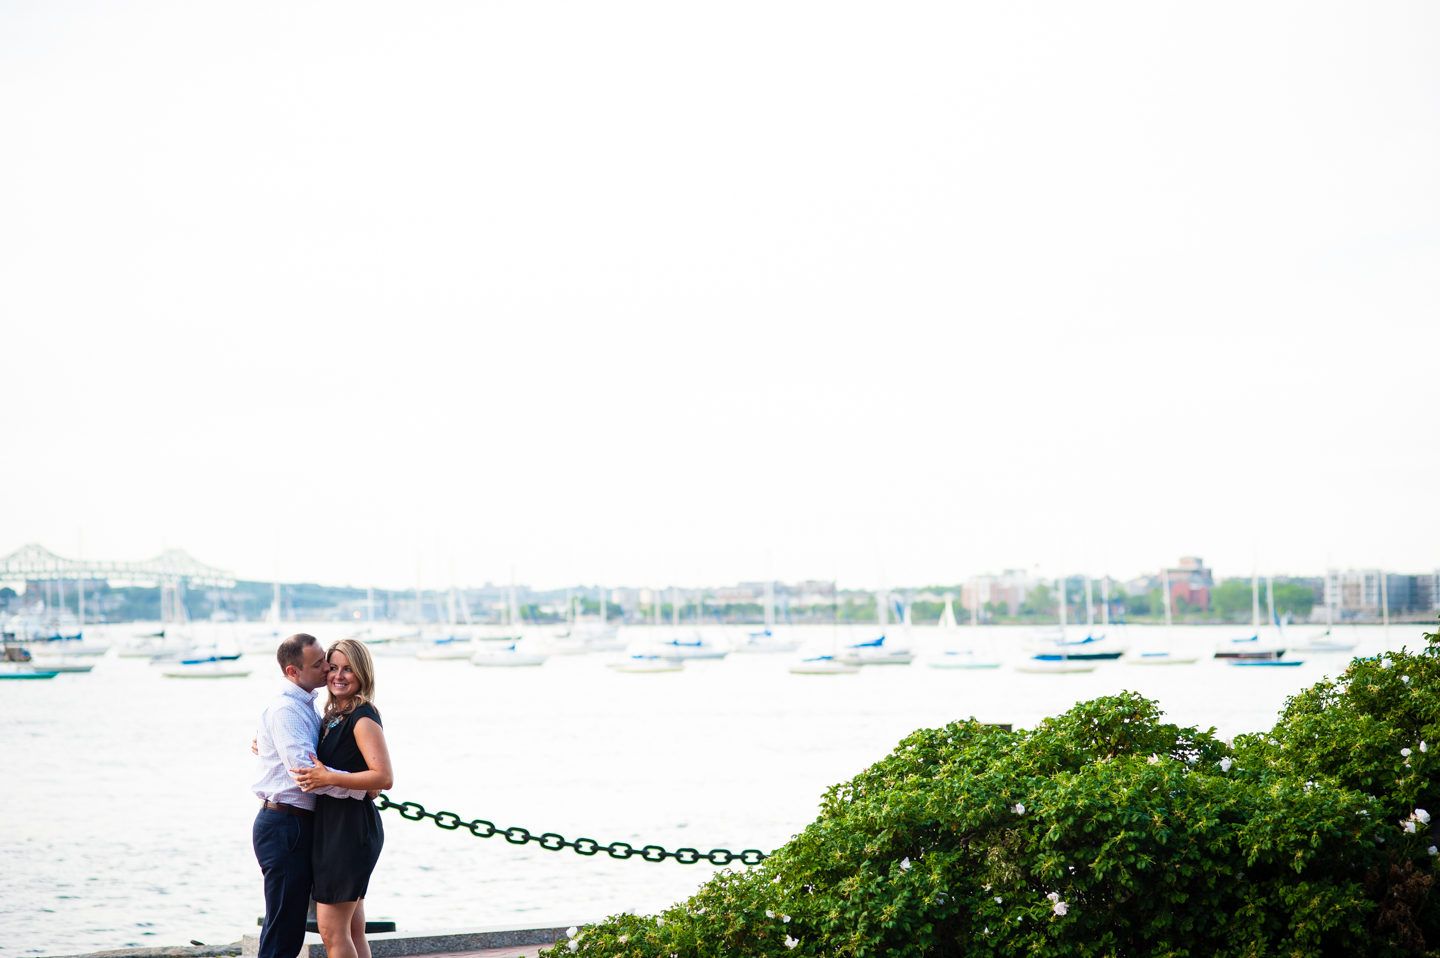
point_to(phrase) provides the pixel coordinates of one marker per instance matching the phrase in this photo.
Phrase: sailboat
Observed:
(647, 662)
(206, 667)
(580, 637)
(1325, 641)
(875, 651)
(1092, 648)
(598, 636)
(1168, 656)
(208, 661)
(767, 641)
(647, 656)
(695, 645)
(507, 656)
(827, 663)
(1252, 652)
(511, 630)
(961, 655)
(1057, 659)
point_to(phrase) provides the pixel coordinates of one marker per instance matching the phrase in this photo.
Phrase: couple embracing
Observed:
(318, 833)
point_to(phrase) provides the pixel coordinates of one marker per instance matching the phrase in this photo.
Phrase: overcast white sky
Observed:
(638, 293)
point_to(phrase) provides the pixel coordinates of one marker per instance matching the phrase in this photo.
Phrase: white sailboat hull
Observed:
(642, 664)
(504, 660)
(1055, 666)
(207, 670)
(1160, 658)
(446, 652)
(823, 665)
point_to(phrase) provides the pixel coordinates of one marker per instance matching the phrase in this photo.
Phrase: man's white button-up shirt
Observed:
(289, 733)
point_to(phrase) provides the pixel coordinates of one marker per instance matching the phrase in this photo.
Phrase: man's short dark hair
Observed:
(292, 650)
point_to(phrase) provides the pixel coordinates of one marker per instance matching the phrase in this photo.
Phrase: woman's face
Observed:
(342, 682)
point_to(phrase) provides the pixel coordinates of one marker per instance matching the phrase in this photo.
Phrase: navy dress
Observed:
(348, 834)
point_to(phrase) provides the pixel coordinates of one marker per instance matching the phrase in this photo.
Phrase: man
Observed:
(289, 731)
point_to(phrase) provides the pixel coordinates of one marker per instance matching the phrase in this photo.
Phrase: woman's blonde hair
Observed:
(364, 669)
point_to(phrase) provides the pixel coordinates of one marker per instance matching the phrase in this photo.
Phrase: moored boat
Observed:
(20, 670)
(963, 659)
(823, 665)
(210, 668)
(447, 648)
(876, 652)
(1057, 664)
(648, 663)
(510, 656)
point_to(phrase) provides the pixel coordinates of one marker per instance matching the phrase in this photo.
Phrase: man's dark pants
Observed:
(282, 846)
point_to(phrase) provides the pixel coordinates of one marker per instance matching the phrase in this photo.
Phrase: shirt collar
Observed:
(296, 692)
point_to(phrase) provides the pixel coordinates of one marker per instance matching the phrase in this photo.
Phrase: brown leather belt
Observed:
(290, 809)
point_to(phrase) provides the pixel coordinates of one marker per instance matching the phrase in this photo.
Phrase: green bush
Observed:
(1105, 832)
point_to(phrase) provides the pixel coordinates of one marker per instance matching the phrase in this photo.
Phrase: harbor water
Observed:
(128, 808)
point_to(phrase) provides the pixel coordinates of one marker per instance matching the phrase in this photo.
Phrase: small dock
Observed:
(498, 941)
(495, 941)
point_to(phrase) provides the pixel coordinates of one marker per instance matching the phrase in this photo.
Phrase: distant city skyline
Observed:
(1181, 571)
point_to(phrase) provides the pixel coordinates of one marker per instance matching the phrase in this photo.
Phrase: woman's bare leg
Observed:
(357, 931)
(334, 922)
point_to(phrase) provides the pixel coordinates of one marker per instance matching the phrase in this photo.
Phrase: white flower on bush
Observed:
(1056, 905)
(623, 938)
(1433, 850)
(574, 945)
(1423, 747)
(999, 900)
(1225, 763)
(785, 919)
(1153, 759)
(1405, 752)
(660, 922)
(1421, 816)
(1409, 828)
(1385, 663)
(905, 865)
(1019, 808)
(791, 942)
(570, 932)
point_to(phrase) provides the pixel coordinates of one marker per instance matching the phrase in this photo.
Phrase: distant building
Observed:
(1192, 582)
(1358, 593)
(1010, 589)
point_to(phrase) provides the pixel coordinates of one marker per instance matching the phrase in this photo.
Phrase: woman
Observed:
(348, 835)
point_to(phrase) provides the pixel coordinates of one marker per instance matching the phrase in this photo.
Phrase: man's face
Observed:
(314, 671)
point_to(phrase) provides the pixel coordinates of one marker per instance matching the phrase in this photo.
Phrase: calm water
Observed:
(128, 810)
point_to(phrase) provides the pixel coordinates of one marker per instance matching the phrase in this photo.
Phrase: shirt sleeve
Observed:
(290, 734)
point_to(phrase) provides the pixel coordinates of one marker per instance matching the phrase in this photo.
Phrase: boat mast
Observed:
(80, 583)
(510, 609)
(1270, 599)
(1105, 600)
(1255, 599)
(1089, 608)
(1060, 590)
(769, 606)
(1165, 578)
(1384, 602)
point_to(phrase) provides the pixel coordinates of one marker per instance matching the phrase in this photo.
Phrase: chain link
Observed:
(515, 835)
